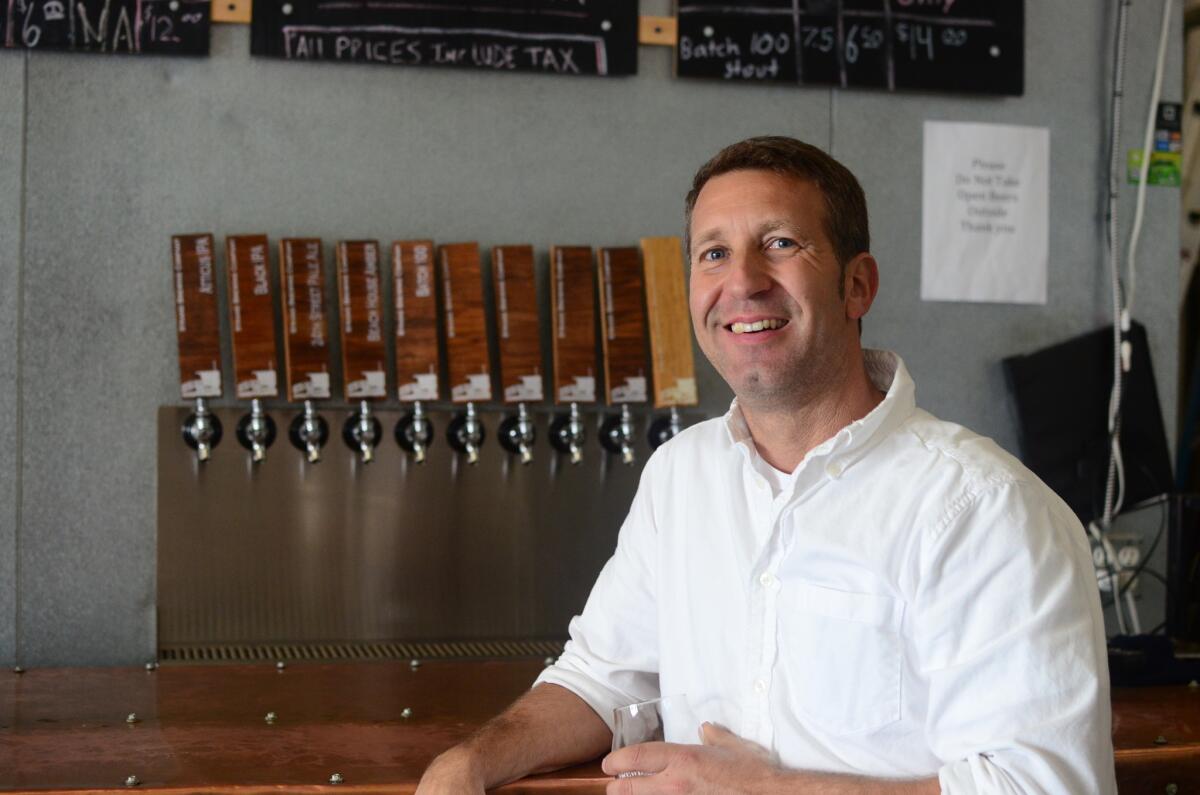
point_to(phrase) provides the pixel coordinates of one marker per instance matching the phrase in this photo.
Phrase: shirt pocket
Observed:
(842, 656)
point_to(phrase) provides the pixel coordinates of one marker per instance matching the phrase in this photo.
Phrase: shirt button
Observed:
(834, 470)
(760, 482)
(760, 686)
(766, 580)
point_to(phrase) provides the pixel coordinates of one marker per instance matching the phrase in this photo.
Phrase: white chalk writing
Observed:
(477, 47)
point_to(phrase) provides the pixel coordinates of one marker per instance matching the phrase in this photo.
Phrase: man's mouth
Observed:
(755, 326)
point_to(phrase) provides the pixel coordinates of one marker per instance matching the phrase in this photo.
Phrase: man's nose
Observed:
(749, 275)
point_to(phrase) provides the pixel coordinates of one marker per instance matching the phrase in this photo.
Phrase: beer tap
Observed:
(414, 432)
(567, 434)
(362, 432)
(256, 431)
(466, 433)
(664, 429)
(517, 434)
(202, 430)
(309, 432)
(616, 434)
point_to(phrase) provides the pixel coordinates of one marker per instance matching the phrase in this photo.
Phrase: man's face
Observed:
(765, 299)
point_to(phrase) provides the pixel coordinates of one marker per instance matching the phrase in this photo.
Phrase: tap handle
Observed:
(473, 437)
(577, 434)
(472, 425)
(518, 433)
(256, 431)
(616, 434)
(362, 431)
(201, 430)
(466, 433)
(366, 433)
(663, 429)
(626, 427)
(308, 432)
(414, 432)
(567, 434)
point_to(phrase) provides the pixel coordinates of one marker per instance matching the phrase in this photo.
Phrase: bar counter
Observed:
(375, 724)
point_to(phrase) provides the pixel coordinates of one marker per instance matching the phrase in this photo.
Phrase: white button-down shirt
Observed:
(911, 601)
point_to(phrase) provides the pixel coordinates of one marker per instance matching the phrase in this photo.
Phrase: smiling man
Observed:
(855, 596)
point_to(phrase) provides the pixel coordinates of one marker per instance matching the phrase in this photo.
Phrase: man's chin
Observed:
(760, 394)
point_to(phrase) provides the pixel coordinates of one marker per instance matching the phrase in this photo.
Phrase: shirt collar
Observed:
(889, 375)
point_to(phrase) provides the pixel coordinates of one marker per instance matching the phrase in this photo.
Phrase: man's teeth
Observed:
(758, 325)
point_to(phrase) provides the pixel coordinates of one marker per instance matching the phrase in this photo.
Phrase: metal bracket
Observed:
(231, 11)
(659, 31)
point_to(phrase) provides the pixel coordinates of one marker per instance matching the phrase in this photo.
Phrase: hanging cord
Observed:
(1123, 304)
(1147, 147)
(1114, 492)
(1097, 532)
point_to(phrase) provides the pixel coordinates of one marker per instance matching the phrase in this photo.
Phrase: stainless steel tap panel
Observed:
(284, 551)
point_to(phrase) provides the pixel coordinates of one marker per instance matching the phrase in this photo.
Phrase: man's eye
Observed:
(713, 255)
(782, 242)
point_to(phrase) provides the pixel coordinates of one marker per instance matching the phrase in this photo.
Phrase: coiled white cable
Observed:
(1114, 494)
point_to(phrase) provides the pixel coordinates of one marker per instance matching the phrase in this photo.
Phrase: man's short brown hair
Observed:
(845, 205)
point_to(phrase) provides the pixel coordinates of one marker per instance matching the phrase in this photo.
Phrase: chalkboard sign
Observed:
(974, 46)
(160, 27)
(571, 37)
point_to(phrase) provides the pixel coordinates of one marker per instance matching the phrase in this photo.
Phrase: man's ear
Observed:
(860, 284)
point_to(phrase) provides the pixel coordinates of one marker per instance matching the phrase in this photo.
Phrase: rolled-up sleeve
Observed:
(1012, 648)
(611, 658)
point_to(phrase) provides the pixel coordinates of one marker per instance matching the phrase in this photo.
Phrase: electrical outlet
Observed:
(1129, 556)
(1128, 551)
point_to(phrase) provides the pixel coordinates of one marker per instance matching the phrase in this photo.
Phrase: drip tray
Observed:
(359, 651)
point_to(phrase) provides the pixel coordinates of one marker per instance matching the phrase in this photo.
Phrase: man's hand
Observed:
(725, 763)
(728, 764)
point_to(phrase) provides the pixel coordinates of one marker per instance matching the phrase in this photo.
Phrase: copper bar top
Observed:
(205, 728)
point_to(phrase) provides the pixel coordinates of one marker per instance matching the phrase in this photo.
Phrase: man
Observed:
(853, 595)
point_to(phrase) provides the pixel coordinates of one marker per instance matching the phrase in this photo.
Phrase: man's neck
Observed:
(783, 435)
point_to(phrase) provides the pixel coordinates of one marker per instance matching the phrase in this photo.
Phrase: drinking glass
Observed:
(661, 719)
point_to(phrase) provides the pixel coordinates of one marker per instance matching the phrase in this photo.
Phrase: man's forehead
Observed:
(781, 200)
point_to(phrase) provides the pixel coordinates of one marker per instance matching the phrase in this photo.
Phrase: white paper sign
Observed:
(986, 205)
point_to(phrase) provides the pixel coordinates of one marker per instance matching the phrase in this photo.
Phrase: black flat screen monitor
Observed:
(1062, 396)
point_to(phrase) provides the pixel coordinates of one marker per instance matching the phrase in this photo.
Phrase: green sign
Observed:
(1164, 168)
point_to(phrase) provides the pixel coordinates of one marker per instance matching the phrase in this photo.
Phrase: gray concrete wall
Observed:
(12, 120)
(954, 349)
(120, 153)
